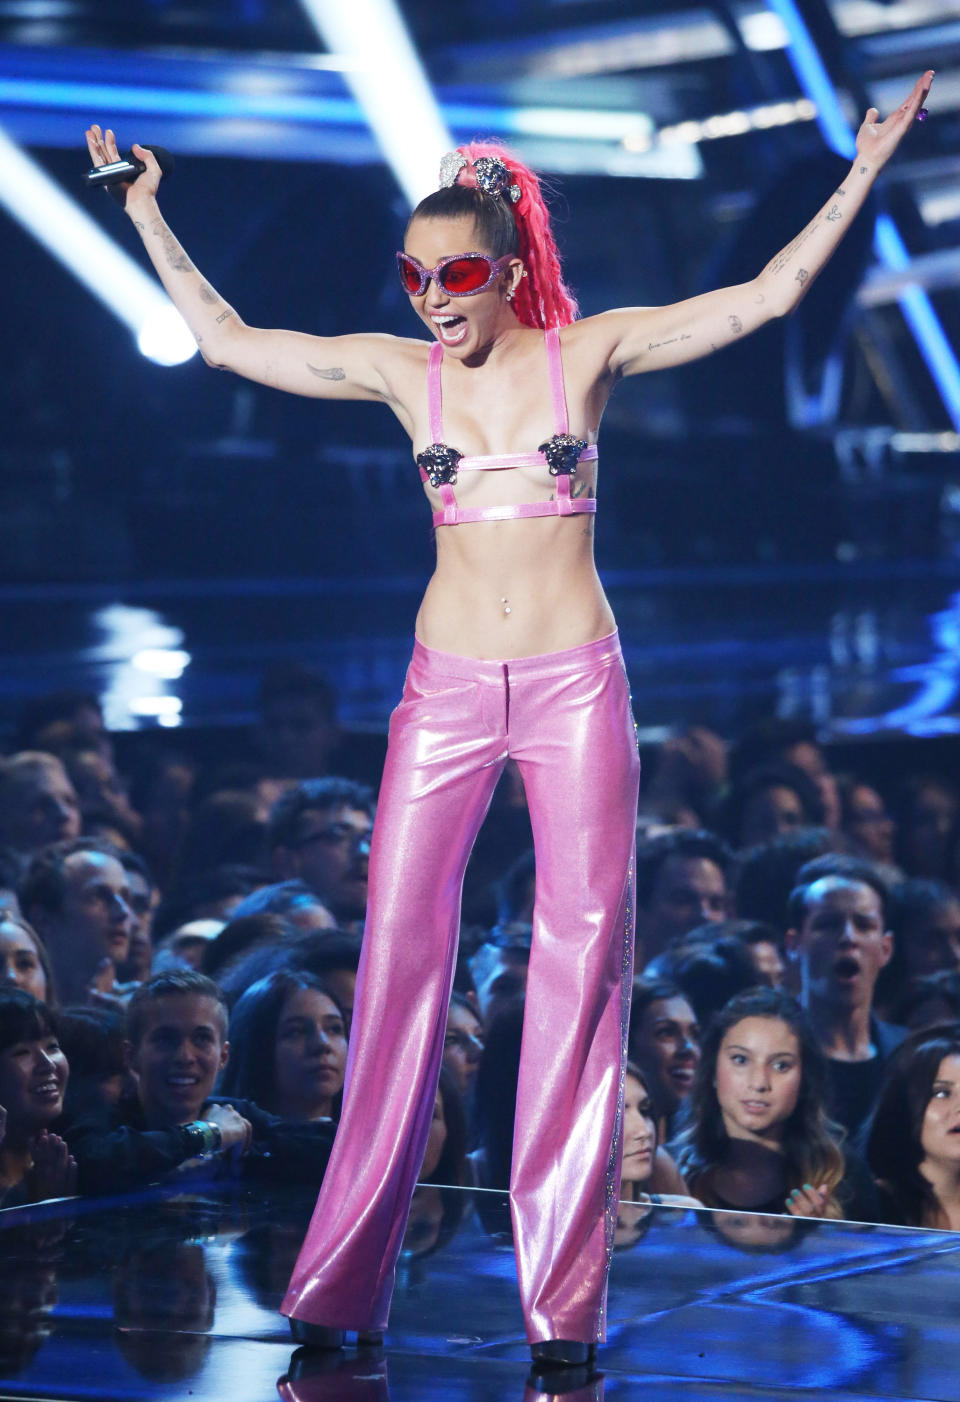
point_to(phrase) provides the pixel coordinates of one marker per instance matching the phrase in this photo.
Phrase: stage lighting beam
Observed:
(390, 85)
(78, 242)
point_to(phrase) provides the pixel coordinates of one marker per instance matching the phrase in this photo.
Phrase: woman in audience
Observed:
(463, 1043)
(94, 1042)
(24, 962)
(34, 1163)
(913, 1146)
(757, 1136)
(288, 1048)
(649, 1173)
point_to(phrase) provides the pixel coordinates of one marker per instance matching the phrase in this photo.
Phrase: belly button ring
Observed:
(506, 606)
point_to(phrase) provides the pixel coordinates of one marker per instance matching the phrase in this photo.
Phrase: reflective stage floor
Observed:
(176, 1297)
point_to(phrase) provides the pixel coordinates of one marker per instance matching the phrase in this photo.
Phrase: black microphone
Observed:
(128, 168)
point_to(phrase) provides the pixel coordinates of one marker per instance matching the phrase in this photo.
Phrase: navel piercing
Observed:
(506, 606)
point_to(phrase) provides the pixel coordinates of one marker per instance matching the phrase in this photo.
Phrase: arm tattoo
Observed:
(736, 325)
(842, 191)
(223, 315)
(759, 299)
(138, 225)
(656, 345)
(208, 295)
(333, 373)
(783, 258)
(864, 169)
(834, 214)
(175, 256)
(802, 276)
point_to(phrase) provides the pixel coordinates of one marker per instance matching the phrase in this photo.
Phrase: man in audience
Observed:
(838, 942)
(499, 970)
(38, 803)
(792, 742)
(77, 897)
(682, 881)
(177, 1040)
(319, 831)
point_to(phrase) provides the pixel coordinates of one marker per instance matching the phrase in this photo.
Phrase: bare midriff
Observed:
(508, 589)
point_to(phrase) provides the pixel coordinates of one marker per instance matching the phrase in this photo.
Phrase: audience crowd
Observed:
(179, 946)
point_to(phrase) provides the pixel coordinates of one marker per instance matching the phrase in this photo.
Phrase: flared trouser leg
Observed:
(447, 748)
(566, 718)
(575, 742)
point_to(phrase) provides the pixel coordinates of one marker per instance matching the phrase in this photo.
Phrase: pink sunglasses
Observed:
(461, 275)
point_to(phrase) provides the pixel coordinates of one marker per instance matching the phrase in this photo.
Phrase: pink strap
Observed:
(435, 393)
(561, 420)
(569, 506)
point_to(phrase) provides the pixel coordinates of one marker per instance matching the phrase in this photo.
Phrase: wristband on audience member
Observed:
(203, 1138)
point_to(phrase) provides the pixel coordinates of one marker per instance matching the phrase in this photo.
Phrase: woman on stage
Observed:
(516, 655)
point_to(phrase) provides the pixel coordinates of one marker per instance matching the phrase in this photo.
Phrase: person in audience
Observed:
(445, 1158)
(298, 903)
(913, 1147)
(290, 1048)
(926, 917)
(240, 938)
(38, 803)
(499, 969)
(768, 802)
(24, 962)
(177, 1042)
(463, 1044)
(77, 896)
(838, 942)
(764, 944)
(709, 972)
(767, 874)
(778, 741)
(298, 722)
(927, 815)
(144, 899)
(496, 1094)
(682, 881)
(319, 832)
(93, 1040)
(35, 1163)
(757, 1137)
(645, 1162)
(665, 1043)
(865, 820)
(101, 793)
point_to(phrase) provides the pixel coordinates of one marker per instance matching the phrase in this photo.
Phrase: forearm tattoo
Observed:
(736, 325)
(223, 315)
(174, 254)
(208, 295)
(333, 373)
(786, 255)
(833, 214)
(802, 276)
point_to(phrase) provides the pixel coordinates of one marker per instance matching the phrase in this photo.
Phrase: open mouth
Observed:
(450, 329)
(846, 967)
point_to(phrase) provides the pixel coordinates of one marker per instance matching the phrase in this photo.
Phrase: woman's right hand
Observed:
(102, 146)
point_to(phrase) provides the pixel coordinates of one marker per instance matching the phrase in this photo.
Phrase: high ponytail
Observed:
(542, 298)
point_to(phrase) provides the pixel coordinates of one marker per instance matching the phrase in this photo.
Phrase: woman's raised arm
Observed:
(322, 367)
(636, 339)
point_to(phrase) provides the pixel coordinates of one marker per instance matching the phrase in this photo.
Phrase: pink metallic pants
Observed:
(565, 718)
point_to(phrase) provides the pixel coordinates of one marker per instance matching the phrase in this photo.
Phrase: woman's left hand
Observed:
(876, 140)
(808, 1201)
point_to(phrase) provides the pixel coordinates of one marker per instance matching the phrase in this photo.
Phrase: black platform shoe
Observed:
(320, 1336)
(563, 1353)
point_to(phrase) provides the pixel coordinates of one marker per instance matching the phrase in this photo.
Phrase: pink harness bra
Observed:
(561, 454)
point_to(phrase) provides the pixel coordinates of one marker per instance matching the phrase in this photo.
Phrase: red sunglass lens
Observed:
(409, 275)
(465, 275)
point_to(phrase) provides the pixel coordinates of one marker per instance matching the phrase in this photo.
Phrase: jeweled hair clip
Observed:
(491, 175)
